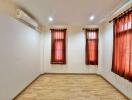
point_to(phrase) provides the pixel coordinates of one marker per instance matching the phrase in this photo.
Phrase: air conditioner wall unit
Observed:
(22, 16)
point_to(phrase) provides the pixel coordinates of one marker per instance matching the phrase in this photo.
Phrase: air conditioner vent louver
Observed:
(22, 16)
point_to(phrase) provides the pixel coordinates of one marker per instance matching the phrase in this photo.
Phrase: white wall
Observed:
(75, 50)
(107, 48)
(19, 56)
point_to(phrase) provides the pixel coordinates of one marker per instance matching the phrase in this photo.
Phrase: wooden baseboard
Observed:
(114, 87)
(69, 74)
(26, 87)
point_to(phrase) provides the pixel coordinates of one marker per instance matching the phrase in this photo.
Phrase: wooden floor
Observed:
(70, 87)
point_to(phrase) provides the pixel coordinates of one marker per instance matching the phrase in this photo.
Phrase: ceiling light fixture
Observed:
(50, 19)
(91, 18)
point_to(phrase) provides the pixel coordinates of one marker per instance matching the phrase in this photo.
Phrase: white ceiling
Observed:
(71, 12)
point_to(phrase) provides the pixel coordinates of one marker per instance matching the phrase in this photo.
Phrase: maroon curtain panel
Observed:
(58, 49)
(91, 57)
(122, 46)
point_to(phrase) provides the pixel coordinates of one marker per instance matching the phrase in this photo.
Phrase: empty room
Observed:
(65, 49)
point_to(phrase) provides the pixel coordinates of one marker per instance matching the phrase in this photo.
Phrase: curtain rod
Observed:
(58, 29)
(120, 15)
(90, 28)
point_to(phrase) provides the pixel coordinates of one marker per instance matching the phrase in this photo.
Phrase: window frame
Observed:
(53, 46)
(87, 31)
(120, 30)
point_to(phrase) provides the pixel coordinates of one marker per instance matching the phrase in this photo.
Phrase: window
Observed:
(122, 46)
(58, 52)
(91, 46)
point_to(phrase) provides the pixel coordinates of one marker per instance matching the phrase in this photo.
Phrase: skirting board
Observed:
(26, 87)
(70, 74)
(114, 86)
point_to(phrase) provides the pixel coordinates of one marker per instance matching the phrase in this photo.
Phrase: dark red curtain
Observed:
(91, 46)
(122, 48)
(58, 52)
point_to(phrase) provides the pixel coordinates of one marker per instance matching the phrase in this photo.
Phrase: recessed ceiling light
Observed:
(50, 19)
(91, 18)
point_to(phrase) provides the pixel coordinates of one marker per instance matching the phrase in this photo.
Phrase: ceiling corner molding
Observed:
(116, 12)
